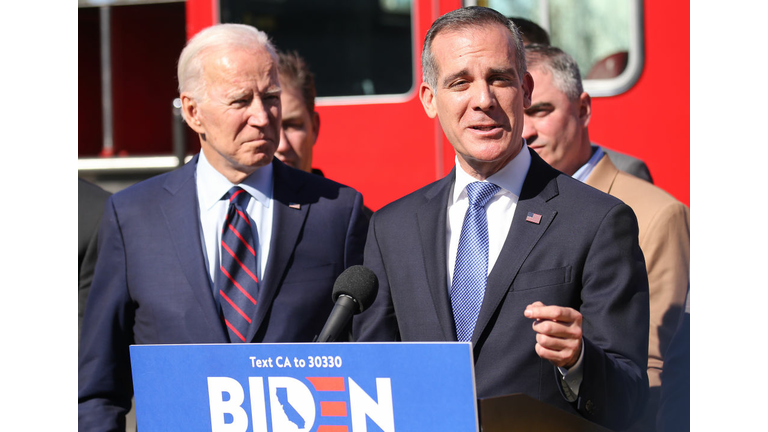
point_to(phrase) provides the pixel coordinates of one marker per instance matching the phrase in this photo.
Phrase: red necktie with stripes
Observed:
(236, 281)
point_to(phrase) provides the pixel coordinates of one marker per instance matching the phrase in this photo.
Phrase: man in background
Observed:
(90, 207)
(541, 273)
(532, 33)
(675, 404)
(556, 126)
(234, 246)
(301, 123)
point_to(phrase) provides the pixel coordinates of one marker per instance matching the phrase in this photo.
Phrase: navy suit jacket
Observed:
(583, 254)
(90, 205)
(151, 285)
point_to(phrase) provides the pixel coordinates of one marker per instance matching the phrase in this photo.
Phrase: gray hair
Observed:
(564, 69)
(472, 16)
(191, 64)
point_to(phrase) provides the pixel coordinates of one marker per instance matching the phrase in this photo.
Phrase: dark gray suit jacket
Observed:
(629, 164)
(583, 254)
(151, 285)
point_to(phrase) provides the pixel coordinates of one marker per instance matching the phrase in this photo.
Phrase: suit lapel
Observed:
(538, 188)
(181, 212)
(434, 250)
(603, 175)
(287, 223)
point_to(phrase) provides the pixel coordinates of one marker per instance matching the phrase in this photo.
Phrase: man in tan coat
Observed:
(556, 126)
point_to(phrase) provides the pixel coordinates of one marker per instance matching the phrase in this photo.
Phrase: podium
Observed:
(326, 387)
(307, 387)
(520, 412)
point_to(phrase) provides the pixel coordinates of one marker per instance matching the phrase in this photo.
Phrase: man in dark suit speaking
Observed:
(541, 273)
(234, 246)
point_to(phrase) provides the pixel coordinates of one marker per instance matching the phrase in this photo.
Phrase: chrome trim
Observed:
(635, 63)
(100, 3)
(105, 40)
(129, 163)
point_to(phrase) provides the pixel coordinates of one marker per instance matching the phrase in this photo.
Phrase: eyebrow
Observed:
(236, 94)
(454, 76)
(464, 72)
(273, 91)
(539, 106)
(504, 71)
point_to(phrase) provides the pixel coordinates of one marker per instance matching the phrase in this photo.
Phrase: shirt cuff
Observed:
(571, 378)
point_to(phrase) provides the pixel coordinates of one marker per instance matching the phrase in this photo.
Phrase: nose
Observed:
(529, 131)
(284, 145)
(257, 113)
(484, 99)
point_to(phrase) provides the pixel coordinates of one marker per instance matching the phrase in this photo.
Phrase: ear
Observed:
(585, 109)
(527, 86)
(191, 112)
(316, 125)
(427, 96)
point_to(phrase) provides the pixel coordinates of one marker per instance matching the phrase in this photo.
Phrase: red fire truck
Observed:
(365, 54)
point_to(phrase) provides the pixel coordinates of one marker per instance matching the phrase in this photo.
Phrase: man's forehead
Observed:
(543, 79)
(538, 70)
(289, 88)
(240, 65)
(230, 56)
(456, 42)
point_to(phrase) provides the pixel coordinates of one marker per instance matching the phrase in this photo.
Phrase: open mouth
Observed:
(486, 128)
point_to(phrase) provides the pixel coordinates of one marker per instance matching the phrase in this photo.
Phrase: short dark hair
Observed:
(472, 16)
(530, 31)
(294, 72)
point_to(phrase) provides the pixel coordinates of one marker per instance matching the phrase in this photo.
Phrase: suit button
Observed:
(590, 407)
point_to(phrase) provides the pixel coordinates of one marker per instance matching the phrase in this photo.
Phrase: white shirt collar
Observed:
(212, 185)
(583, 173)
(510, 177)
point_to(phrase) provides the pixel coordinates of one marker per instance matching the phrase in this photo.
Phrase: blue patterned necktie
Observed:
(236, 281)
(471, 271)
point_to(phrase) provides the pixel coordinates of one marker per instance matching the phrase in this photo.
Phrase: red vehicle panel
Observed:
(387, 147)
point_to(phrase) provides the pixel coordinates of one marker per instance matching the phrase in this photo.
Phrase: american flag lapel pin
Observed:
(296, 206)
(533, 218)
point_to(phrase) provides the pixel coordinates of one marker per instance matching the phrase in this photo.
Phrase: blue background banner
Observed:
(329, 387)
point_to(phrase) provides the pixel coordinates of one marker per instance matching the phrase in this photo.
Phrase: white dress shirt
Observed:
(211, 188)
(500, 211)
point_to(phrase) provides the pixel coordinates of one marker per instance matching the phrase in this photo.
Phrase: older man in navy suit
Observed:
(234, 246)
(541, 273)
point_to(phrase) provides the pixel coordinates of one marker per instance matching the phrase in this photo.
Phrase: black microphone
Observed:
(353, 292)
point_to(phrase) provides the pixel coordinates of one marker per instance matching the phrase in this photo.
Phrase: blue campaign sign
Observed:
(328, 387)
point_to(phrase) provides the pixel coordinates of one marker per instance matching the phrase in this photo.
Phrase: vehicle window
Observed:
(361, 47)
(604, 36)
